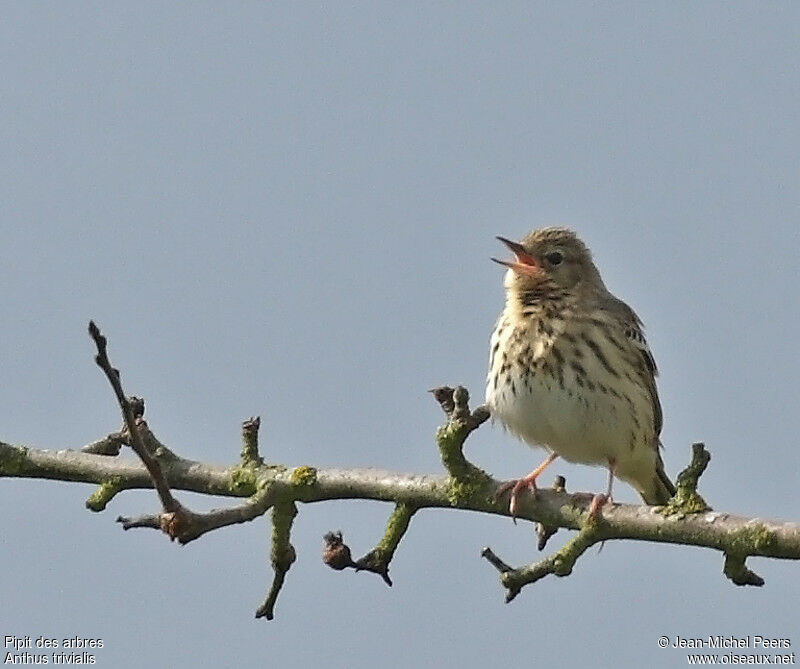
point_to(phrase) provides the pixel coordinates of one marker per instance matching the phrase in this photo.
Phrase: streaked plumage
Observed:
(570, 369)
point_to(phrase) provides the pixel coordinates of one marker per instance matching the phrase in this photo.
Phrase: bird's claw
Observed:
(516, 487)
(597, 503)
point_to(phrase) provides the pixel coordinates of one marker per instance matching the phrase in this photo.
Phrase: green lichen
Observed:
(12, 459)
(687, 500)
(396, 527)
(469, 487)
(282, 553)
(398, 521)
(450, 439)
(243, 481)
(685, 503)
(303, 476)
(754, 537)
(562, 567)
(444, 433)
(100, 498)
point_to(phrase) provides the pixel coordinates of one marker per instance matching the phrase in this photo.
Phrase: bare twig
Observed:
(560, 563)
(455, 404)
(128, 407)
(545, 532)
(249, 453)
(736, 570)
(152, 443)
(488, 554)
(444, 396)
(108, 445)
(188, 525)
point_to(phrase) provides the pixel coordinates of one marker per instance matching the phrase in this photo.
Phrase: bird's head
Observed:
(550, 255)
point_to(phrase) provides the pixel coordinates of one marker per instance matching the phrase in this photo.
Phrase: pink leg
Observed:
(528, 481)
(598, 501)
(612, 465)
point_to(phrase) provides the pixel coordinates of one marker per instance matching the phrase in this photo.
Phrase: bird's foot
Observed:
(598, 502)
(516, 487)
(503, 489)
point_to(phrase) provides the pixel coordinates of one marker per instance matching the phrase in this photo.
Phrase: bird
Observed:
(570, 369)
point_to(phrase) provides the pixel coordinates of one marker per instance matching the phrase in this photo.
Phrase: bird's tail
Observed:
(661, 489)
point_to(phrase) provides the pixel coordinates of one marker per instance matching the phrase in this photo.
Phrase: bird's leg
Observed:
(519, 485)
(600, 500)
(612, 465)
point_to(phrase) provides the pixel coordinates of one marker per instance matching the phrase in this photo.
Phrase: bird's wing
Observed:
(632, 326)
(633, 331)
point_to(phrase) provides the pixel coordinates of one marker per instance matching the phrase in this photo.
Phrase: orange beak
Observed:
(524, 262)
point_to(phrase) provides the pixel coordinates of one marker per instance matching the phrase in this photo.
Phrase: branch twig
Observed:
(169, 503)
(108, 445)
(282, 554)
(684, 510)
(460, 424)
(249, 453)
(190, 525)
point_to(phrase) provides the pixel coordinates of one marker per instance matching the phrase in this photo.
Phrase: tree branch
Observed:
(191, 525)
(685, 520)
(169, 503)
(249, 453)
(282, 555)
(738, 535)
(337, 554)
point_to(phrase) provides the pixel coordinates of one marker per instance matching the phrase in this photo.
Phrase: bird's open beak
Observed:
(524, 262)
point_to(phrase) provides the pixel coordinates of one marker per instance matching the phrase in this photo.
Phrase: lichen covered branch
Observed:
(686, 520)
(378, 559)
(559, 563)
(337, 554)
(249, 453)
(736, 570)
(737, 535)
(282, 554)
(687, 499)
(687, 515)
(460, 424)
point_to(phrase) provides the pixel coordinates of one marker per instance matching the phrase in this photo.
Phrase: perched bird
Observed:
(570, 370)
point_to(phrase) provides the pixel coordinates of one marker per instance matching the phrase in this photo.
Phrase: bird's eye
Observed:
(554, 257)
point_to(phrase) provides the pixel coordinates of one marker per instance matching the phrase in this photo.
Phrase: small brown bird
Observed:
(570, 370)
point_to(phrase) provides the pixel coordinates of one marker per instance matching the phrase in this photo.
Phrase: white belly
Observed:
(580, 426)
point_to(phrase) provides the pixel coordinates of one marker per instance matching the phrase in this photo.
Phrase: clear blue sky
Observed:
(288, 209)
